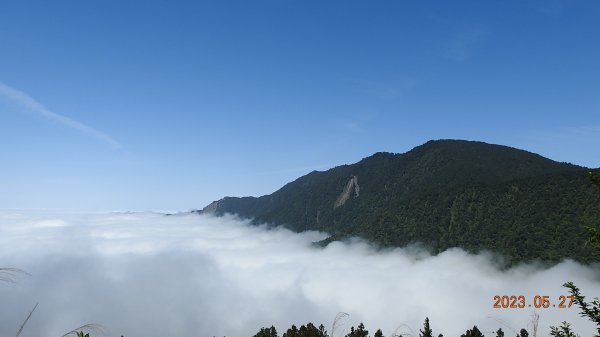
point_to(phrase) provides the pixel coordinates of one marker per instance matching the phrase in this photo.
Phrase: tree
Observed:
(292, 332)
(590, 310)
(267, 332)
(523, 333)
(312, 331)
(322, 331)
(594, 178)
(472, 333)
(303, 331)
(594, 238)
(426, 332)
(500, 333)
(378, 333)
(563, 331)
(308, 330)
(360, 331)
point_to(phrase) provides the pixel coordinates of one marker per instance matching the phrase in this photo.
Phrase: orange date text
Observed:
(538, 302)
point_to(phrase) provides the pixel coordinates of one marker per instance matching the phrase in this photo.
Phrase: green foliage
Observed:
(292, 332)
(426, 332)
(563, 331)
(444, 194)
(360, 331)
(594, 178)
(308, 330)
(594, 237)
(472, 333)
(267, 332)
(590, 310)
(594, 232)
(80, 334)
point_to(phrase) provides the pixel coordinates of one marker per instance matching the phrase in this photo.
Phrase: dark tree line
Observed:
(310, 330)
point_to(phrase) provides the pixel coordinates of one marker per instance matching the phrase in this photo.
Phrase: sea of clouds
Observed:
(148, 274)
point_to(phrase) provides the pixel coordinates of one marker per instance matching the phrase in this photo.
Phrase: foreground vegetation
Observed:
(309, 330)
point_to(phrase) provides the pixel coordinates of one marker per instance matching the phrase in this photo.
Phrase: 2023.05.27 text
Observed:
(539, 302)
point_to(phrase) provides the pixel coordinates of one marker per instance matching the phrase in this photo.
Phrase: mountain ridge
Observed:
(443, 193)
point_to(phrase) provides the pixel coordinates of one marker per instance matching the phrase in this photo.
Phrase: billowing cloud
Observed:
(146, 274)
(31, 104)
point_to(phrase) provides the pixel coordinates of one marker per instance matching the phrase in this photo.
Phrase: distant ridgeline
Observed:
(444, 193)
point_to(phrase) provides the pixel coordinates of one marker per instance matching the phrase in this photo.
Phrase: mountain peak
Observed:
(444, 193)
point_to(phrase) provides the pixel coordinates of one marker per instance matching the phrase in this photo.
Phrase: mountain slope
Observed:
(444, 193)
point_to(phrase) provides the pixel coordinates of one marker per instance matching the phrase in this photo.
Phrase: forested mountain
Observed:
(444, 193)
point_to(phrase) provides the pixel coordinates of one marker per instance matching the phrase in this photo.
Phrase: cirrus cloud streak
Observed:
(31, 104)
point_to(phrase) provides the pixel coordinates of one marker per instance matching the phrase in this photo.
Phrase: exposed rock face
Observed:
(351, 186)
(211, 208)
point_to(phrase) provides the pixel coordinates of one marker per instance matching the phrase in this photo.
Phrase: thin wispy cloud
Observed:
(31, 104)
(359, 122)
(383, 90)
(352, 126)
(569, 143)
(460, 46)
(552, 8)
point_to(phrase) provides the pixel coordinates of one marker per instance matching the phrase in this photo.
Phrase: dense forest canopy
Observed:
(445, 193)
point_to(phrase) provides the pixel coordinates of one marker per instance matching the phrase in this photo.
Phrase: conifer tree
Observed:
(426, 332)
(303, 331)
(360, 331)
(563, 331)
(590, 310)
(291, 332)
(322, 331)
(472, 333)
(500, 333)
(267, 332)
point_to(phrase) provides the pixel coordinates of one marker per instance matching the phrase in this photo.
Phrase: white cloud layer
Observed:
(148, 275)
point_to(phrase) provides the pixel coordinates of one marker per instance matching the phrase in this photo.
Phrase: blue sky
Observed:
(156, 105)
